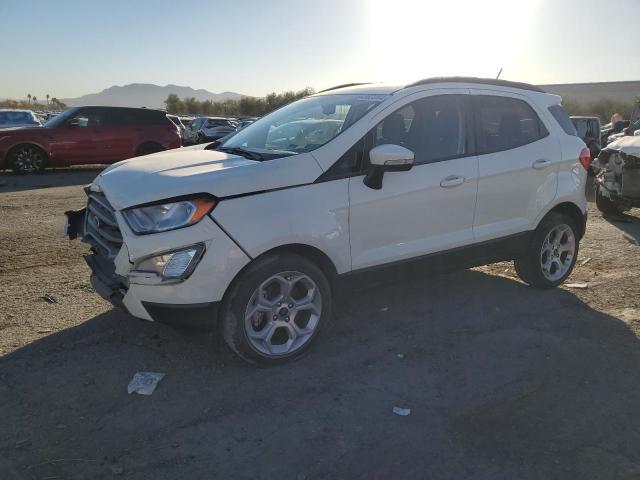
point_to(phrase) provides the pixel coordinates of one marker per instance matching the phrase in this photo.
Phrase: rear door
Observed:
(119, 134)
(517, 163)
(430, 207)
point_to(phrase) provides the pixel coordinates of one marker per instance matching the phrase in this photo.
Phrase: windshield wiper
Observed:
(242, 152)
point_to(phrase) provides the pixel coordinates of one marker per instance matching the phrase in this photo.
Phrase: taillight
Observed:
(585, 158)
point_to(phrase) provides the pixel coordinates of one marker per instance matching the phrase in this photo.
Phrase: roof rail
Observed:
(484, 81)
(344, 85)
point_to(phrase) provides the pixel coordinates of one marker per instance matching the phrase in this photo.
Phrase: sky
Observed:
(70, 48)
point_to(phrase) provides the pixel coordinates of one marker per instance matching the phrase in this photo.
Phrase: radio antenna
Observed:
(499, 73)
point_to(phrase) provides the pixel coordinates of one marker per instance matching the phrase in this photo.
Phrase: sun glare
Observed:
(413, 39)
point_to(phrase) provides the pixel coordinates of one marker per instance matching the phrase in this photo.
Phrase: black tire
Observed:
(148, 149)
(604, 204)
(529, 266)
(241, 292)
(27, 158)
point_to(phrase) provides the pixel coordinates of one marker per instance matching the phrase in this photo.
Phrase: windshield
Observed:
(60, 119)
(302, 126)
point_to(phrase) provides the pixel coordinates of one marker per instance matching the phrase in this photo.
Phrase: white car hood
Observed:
(188, 171)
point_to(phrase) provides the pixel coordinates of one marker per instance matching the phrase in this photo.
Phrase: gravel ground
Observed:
(503, 381)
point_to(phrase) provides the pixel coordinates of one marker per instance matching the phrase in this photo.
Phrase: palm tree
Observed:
(47, 99)
(35, 100)
(29, 97)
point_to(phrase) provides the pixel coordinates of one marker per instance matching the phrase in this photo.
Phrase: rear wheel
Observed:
(25, 159)
(604, 203)
(275, 309)
(552, 252)
(149, 148)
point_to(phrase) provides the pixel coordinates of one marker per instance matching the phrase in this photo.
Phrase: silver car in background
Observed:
(12, 118)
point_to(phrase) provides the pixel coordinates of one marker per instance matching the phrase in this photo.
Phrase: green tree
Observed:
(47, 99)
(29, 97)
(174, 104)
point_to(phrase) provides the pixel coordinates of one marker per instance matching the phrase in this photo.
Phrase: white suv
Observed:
(260, 230)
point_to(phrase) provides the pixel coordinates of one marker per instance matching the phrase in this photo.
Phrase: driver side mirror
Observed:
(387, 158)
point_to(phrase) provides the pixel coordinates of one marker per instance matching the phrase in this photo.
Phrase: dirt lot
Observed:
(503, 381)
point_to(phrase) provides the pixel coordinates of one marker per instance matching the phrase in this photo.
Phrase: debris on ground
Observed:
(585, 261)
(403, 412)
(400, 355)
(581, 286)
(144, 383)
(49, 298)
(384, 309)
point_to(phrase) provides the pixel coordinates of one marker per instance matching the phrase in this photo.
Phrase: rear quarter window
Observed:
(149, 117)
(563, 119)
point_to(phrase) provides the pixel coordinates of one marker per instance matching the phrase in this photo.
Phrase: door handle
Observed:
(452, 181)
(540, 164)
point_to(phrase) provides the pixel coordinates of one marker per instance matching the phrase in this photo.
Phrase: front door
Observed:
(429, 208)
(80, 140)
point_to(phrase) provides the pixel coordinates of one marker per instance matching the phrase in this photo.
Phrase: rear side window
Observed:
(563, 119)
(148, 117)
(503, 123)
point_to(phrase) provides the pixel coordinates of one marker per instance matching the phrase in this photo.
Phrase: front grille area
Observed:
(100, 227)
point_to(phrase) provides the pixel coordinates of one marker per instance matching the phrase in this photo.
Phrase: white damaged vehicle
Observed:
(618, 175)
(260, 230)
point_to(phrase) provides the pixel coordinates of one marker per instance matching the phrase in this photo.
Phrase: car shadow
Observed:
(628, 224)
(503, 381)
(58, 177)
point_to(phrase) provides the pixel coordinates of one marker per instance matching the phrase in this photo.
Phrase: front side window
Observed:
(503, 123)
(302, 126)
(88, 117)
(434, 128)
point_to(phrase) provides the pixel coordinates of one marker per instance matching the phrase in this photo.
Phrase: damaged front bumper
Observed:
(104, 280)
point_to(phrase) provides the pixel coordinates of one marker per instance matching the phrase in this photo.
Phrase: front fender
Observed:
(316, 215)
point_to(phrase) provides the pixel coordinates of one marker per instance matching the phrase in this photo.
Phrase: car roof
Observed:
(15, 110)
(381, 88)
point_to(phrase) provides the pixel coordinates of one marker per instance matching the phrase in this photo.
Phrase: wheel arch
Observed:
(149, 143)
(314, 254)
(572, 210)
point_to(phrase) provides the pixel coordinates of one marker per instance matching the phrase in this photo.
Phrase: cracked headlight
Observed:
(173, 265)
(161, 217)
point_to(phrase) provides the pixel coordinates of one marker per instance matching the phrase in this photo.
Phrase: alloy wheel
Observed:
(558, 250)
(28, 160)
(282, 314)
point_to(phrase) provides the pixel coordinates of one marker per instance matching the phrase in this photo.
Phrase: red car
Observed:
(86, 135)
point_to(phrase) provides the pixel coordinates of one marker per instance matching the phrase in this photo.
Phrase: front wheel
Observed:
(26, 159)
(552, 253)
(275, 309)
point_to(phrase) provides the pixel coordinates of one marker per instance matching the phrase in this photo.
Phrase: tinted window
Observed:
(89, 117)
(147, 117)
(434, 128)
(503, 123)
(116, 117)
(563, 119)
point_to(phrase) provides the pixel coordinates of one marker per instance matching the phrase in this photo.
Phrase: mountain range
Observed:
(145, 95)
